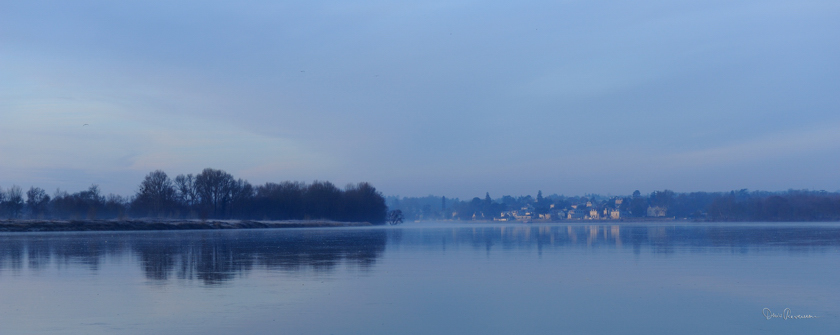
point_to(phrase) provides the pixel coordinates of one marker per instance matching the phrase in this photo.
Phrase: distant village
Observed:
(527, 208)
(740, 205)
(608, 210)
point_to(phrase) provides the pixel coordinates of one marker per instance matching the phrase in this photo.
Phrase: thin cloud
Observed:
(766, 148)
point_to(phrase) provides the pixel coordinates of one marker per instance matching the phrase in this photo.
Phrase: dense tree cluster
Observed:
(210, 194)
(62, 205)
(788, 206)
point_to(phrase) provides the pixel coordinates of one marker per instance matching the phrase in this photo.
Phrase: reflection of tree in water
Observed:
(211, 257)
(215, 261)
(63, 249)
(12, 254)
(215, 258)
(38, 253)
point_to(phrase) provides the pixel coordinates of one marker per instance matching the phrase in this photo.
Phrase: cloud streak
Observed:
(801, 144)
(435, 97)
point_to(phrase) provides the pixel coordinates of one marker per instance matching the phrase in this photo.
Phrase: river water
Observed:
(427, 278)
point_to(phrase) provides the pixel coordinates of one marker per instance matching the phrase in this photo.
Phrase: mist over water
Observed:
(423, 278)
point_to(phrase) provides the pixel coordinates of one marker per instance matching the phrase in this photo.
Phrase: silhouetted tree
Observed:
(283, 201)
(542, 205)
(241, 200)
(662, 198)
(186, 194)
(363, 203)
(214, 188)
(321, 200)
(12, 201)
(115, 207)
(37, 202)
(638, 205)
(156, 195)
(84, 204)
(395, 217)
(3, 202)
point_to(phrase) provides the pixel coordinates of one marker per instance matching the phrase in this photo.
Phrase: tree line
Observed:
(210, 194)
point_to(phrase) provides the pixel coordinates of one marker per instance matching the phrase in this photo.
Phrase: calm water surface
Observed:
(426, 278)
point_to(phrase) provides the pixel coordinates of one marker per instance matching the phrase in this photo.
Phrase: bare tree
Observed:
(3, 206)
(242, 199)
(14, 201)
(214, 188)
(395, 217)
(156, 194)
(37, 201)
(185, 190)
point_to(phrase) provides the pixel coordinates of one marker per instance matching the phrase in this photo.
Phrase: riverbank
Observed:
(153, 224)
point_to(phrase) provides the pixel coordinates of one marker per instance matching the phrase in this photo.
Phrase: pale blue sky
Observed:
(452, 98)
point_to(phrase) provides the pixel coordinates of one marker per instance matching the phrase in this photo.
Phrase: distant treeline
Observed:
(742, 205)
(210, 194)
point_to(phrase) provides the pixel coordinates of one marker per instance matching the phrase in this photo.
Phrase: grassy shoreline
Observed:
(161, 224)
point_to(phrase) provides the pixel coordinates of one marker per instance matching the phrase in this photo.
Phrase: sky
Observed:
(452, 98)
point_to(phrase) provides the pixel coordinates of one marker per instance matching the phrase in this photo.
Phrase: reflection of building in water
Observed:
(593, 234)
(213, 257)
(218, 257)
(615, 231)
(658, 238)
